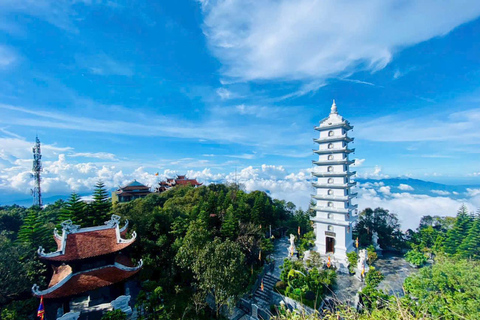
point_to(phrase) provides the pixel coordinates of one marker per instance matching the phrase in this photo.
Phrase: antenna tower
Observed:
(36, 170)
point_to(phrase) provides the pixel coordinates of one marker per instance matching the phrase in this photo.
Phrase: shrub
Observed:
(352, 261)
(416, 258)
(371, 254)
(114, 315)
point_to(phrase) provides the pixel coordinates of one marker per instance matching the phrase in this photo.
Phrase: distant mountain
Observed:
(417, 186)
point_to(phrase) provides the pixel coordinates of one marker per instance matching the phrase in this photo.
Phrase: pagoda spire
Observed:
(334, 108)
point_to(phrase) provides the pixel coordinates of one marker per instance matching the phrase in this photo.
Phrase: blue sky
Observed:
(210, 86)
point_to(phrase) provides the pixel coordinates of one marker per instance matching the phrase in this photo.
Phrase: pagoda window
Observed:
(330, 157)
(330, 216)
(330, 192)
(330, 133)
(346, 192)
(348, 229)
(330, 204)
(330, 146)
(330, 169)
(330, 180)
(330, 228)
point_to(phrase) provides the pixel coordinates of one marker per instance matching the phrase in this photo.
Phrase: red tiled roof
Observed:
(90, 280)
(88, 244)
(59, 273)
(188, 182)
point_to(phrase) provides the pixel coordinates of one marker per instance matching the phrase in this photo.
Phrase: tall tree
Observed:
(101, 206)
(33, 230)
(459, 232)
(220, 270)
(470, 246)
(74, 210)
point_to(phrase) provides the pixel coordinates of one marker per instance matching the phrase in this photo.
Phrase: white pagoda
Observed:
(335, 212)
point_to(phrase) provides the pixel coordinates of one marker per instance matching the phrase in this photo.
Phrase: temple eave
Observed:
(88, 280)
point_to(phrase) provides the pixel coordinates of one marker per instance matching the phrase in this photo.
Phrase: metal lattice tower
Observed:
(36, 170)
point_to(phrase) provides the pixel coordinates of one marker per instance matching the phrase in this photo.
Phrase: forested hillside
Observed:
(184, 235)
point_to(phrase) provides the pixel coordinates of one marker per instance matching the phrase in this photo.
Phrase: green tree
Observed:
(449, 289)
(73, 210)
(470, 246)
(99, 210)
(459, 231)
(114, 315)
(33, 230)
(230, 224)
(384, 223)
(220, 270)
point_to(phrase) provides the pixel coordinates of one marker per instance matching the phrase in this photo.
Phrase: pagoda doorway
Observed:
(330, 245)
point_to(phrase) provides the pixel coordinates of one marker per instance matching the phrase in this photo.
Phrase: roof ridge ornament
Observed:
(69, 227)
(113, 222)
(334, 108)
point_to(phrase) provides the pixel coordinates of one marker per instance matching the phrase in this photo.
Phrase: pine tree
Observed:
(459, 231)
(33, 230)
(74, 210)
(99, 210)
(230, 224)
(470, 247)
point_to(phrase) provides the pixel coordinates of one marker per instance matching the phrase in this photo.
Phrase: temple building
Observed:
(89, 271)
(178, 181)
(131, 191)
(335, 212)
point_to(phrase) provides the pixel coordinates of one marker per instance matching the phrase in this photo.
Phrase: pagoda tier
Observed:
(335, 210)
(333, 162)
(330, 151)
(333, 139)
(344, 125)
(333, 174)
(333, 222)
(80, 243)
(334, 186)
(64, 283)
(334, 198)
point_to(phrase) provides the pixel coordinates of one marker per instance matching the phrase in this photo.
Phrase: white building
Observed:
(335, 212)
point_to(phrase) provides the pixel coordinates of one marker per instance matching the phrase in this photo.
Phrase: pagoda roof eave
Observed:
(331, 151)
(343, 124)
(83, 281)
(333, 174)
(333, 162)
(334, 186)
(328, 198)
(333, 139)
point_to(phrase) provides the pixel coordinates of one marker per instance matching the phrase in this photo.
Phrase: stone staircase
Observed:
(263, 298)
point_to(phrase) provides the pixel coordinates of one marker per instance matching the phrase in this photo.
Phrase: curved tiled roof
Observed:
(81, 243)
(64, 283)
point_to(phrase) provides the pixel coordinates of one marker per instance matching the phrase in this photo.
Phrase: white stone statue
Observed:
(375, 241)
(70, 316)
(362, 266)
(121, 303)
(291, 249)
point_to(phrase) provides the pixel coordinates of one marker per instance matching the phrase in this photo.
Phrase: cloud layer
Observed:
(64, 175)
(310, 39)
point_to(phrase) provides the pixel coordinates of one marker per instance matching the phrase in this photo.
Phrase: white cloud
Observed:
(224, 93)
(385, 190)
(308, 39)
(104, 65)
(405, 187)
(457, 126)
(97, 155)
(7, 57)
(358, 162)
(441, 192)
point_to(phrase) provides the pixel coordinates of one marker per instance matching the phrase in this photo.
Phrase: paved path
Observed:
(280, 252)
